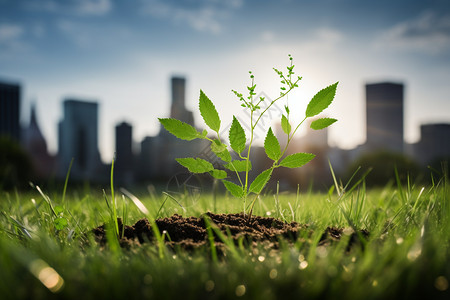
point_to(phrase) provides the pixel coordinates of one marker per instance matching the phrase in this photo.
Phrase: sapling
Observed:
(242, 145)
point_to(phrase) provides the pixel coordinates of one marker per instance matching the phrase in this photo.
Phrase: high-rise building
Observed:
(157, 157)
(124, 162)
(78, 140)
(384, 111)
(434, 143)
(35, 144)
(10, 111)
(178, 109)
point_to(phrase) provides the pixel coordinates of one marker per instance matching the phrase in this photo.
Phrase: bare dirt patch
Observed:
(191, 233)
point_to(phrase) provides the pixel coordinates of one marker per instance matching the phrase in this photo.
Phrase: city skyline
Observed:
(156, 156)
(123, 56)
(378, 121)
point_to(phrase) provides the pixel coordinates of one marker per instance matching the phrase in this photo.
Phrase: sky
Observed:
(123, 54)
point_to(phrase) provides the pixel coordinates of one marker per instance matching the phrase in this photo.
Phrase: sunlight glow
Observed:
(47, 275)
(240, 290)
(415, 252)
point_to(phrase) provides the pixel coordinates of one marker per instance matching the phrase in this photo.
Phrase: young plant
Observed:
(242, 145)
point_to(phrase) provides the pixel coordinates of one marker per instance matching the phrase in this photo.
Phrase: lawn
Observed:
(47, 249)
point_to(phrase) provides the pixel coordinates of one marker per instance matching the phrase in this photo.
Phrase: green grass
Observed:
(407, 255)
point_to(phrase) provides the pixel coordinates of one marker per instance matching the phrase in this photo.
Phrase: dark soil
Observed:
(191, 233)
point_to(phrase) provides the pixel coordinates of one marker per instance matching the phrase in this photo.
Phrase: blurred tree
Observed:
(383, 165)
(16, 168)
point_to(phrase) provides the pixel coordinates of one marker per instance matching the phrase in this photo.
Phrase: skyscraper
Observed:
(35, 144)
(78, 139)
(384, 111)
(10, 111)
(434, 143)
(124, 152)
(178, 109)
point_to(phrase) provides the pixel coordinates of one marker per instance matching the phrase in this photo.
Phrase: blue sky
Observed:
(123, 53)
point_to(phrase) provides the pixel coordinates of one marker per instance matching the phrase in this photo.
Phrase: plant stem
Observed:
(113, 200)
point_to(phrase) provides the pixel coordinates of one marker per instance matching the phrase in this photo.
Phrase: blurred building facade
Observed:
(10, 110)
(158, 153)
(178, 107)
(78, 140)
(35, 144)
(434, 144)
(384, 116)
(124, 161)
(155, 158)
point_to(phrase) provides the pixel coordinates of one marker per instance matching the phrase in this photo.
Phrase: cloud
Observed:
(11, 41)
(94, 7)
(201, 15)
(75, 32)
(87, 37)
(267, 36)
(10, 32)
(428, 33)
(322, 40)
(76, 7)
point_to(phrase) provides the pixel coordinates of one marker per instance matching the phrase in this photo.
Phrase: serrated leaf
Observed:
(296, 160)
(235, 190)
(218, 146)
(321, 100)
(272, 146)
(260, 181)
(237, 136)
(322, 123)
(238, 165)
(209, 112)
(180, 129)
(224, 155)
(285, 125)
(195, 165)
(219, 174)
(220, 150)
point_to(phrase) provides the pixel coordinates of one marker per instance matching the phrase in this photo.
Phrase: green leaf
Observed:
(58, 210)
(296, 160)
(209, 112)
(285, 124)
(195, 165)
(224, 155)
(180, 129)
(260, 181)
(272, 146)
(235, 190)
(321, 100)
(237, 136)
(217, 146)
(219, 174)
(238, 165)
(322, 123)
(220, 150)
(60, 223)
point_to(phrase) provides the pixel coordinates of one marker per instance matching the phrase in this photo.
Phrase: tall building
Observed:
(10, 110)
(36, 146)
(384, 111)
(158, 153)
(434, 143)
(124, 162)
(149, 159)
(178, 109)
(78, 139)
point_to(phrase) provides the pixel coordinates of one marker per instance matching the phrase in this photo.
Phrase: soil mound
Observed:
(191, 232)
